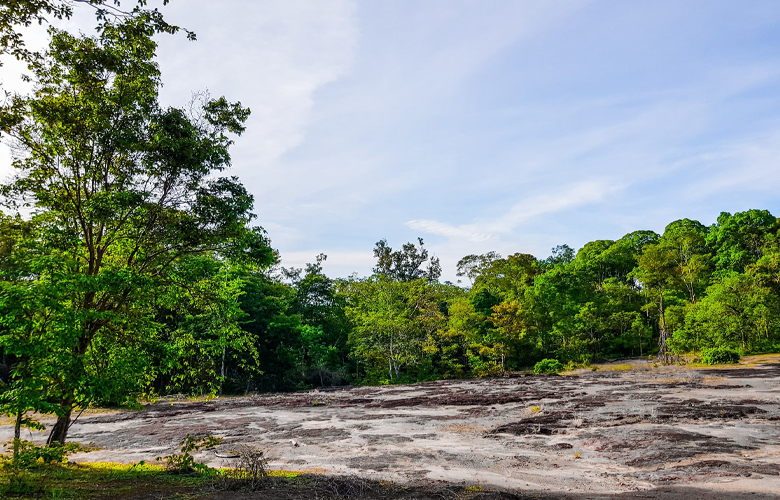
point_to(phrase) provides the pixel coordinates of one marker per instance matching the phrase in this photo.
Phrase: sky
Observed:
(503, 125)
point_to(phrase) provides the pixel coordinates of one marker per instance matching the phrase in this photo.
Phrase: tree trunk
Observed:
(663, 334)
(59, 432)
(222, 372)
(17, 434)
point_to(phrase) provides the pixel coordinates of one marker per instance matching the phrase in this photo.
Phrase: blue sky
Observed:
(485, 125)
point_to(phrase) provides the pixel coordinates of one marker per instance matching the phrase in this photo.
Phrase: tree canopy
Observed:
(123, 202)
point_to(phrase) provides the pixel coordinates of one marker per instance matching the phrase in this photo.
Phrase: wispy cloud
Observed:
(502, 125)
(563, 198)
(448, 230)
(272, 55)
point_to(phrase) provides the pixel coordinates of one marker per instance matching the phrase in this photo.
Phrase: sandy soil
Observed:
(665, 432)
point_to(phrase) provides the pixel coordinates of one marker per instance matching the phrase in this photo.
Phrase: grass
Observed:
(96, 480)
(109, 480)
(134, 482)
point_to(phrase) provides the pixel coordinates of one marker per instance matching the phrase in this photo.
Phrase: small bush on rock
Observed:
(552, 366)
(184, 462)
(719, 355)
(250, 471)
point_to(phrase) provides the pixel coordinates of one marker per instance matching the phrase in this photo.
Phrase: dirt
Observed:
(645, 432)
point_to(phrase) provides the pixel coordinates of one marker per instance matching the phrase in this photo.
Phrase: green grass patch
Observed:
(97, 480)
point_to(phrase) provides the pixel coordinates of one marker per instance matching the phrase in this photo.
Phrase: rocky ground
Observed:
(643, 432)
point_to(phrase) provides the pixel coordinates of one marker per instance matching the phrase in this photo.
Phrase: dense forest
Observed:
(131, 268)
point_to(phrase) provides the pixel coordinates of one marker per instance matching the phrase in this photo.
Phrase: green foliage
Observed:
(737, 312)
(406, 264)
(137, 270)
(720, 355)
(508, 278)
(548, 366)
(22, 483)
(28, 455)
(18, 13)
(394, 322)
(127, 210)
(184, 462)
(742, 239)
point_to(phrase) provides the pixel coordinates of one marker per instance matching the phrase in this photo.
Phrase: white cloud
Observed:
(751, 164)
(566, 197)
(448, 230)
(272, 55)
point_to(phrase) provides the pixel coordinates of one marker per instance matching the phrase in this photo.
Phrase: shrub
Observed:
(719, 355)
(29, 455)
(250, 472)
(184, 462)
(22, 483)
(548, 366)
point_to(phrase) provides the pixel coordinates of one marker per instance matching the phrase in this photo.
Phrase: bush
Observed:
(548, 366)
(719, 355)
(30, 455)
(250, 472)
(184, 462)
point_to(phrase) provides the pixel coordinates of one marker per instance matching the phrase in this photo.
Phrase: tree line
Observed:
(131, 266)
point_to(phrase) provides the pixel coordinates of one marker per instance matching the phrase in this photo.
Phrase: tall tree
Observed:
(741, 239)
(406, 264)
(392, 321)
(121, 190)
(473, 265)
(678, 263)
(509, 277)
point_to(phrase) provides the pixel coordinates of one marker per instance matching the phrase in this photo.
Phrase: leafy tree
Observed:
(687, 240)
(656, 274)
(638, 240)
(473, 265)
(741, 239)
(121, 190)
(678, 263)
(561, 254)
(405, 264)
(508, 278)
(321, 308)
(601, 260)
(737, 312)
(18, 13)
(452, 342)
(392, 321)
(277, 333)
(200, 337)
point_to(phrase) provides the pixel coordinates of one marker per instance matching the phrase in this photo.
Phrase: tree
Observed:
(473, 265)
(121, 190)
(276, 332)
(405, 264)
(600, 260)
(200, 336)
(737, 312)
(321, 308)
(508, 278)
(18, 13)
(678, 263)
(561, 254)
(392, 321)
(741, 239)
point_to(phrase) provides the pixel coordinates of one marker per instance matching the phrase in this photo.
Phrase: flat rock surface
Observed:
(663, 432)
